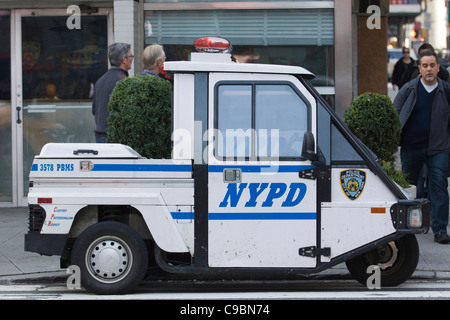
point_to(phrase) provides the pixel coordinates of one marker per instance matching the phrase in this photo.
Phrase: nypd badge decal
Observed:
(353, 182)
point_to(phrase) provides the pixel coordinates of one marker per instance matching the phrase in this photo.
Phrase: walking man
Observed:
(424, 114)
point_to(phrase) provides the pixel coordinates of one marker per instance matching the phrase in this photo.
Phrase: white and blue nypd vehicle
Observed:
(264, 180)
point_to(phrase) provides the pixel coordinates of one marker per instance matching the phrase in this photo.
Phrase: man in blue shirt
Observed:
(154, 58)
(424, 113)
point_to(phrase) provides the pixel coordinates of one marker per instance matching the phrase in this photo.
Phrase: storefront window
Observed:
(301, 37)
(61, 63)
(59, 69)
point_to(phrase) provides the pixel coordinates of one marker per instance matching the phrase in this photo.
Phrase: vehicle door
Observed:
(261, 200)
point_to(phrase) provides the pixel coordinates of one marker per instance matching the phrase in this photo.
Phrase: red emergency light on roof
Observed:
(212, 44)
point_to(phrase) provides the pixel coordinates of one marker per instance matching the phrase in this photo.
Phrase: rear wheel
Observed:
(111, 256)
(397, 261)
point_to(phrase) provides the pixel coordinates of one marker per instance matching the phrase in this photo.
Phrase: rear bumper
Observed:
(46, 244)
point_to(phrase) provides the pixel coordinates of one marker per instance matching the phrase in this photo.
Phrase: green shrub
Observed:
(396, 175)
(140, 115)
(373, 119)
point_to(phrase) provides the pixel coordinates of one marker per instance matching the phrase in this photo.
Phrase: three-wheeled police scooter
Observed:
(265, 179)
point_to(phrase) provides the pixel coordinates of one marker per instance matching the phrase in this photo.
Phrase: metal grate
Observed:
(36, 217)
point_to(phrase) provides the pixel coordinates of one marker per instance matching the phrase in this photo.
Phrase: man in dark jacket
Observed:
(403, 69)
(121, 59)
(424, 115)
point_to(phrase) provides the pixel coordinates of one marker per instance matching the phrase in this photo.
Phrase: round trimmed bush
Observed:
(373, 119)
(140, 115)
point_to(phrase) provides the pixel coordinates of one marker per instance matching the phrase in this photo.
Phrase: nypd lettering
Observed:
(353, 182)
(263, 194)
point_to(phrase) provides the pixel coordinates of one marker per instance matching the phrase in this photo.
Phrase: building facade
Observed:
(53, 51)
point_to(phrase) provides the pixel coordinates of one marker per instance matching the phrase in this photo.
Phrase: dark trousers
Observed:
(437, 165)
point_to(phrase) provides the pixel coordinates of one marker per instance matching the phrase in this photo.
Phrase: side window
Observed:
(234, 121)
(341, 150)
(259, 121)
(281, 119)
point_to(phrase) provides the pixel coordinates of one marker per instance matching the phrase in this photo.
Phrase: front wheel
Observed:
(111, 256)
(397, 261)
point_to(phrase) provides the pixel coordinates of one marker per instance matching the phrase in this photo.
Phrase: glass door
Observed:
(59, 65)
(6, 161)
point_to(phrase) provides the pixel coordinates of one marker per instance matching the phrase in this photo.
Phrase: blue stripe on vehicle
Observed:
(249, 215)
(188, 168)
(182, 215)
(262, 216)
(136, 167)
(142, 167)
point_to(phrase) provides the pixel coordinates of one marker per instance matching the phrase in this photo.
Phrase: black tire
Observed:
(397, 261)
(111, 256)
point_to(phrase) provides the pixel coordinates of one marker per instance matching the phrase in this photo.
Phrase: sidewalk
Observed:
(14, 261)
(16, 265)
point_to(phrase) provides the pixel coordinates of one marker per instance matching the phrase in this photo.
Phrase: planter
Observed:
(412, 190)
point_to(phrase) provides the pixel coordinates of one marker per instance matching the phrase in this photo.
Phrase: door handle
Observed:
(77, 152)
(232, 175)
(19, 121)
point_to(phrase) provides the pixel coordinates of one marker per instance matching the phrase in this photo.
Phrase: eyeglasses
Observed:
(405, 51)
(132, 56)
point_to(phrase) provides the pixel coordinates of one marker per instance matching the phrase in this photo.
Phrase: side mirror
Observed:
(308, 147)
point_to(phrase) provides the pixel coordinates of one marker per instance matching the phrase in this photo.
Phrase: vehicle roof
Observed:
(221, 62)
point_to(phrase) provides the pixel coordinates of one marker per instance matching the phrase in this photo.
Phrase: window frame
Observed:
(253, 84)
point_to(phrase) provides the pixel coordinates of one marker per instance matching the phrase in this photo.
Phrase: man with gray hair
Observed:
(424, 114)
(121, 59)
(153, 58)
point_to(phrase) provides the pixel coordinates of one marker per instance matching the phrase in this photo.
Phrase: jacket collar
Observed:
(413, 83)
(119, 69)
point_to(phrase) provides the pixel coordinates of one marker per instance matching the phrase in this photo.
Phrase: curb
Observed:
(35, 278)
(60, 277)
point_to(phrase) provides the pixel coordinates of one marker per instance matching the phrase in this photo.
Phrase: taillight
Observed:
(45, 200)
